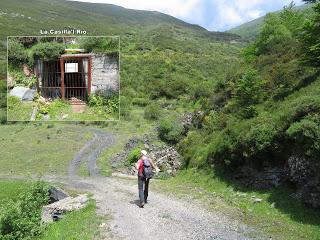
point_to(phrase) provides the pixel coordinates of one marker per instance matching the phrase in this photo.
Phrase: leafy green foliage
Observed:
(152, 111)
(134, 155)
(104, 104)
(16, 51)
(108, 45)
(21, 219)
(20, 79)
(47, 50)
(306, 136)
(170, 129)
(262, 109)
(311, 38)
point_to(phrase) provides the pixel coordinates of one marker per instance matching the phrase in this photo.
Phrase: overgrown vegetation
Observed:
(21, 219)
(271, 104)
(102, 45)
(170, 129)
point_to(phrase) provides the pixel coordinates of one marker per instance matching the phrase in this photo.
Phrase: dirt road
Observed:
(162, 218)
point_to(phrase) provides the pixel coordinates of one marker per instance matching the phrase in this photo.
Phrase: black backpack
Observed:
(147, 169)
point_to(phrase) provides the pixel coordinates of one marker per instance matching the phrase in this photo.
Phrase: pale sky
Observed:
(216, 15)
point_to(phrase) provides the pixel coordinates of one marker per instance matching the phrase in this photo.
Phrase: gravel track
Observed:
(163, 217)
(90, 152)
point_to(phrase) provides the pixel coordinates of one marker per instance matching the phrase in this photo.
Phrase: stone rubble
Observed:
(68, 204)
(166, 157)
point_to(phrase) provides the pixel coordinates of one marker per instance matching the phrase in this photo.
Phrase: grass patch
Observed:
(287, 219)
(82, 224)
(40, 148)
(11, 188)
(19, 111)
(83, 170)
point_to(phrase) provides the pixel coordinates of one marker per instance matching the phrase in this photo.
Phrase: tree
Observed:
(311, 39)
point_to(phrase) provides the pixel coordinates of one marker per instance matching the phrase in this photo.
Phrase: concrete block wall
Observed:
(105, 75)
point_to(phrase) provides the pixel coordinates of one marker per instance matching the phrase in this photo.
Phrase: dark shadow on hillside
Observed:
(282, 197)
(306, 81)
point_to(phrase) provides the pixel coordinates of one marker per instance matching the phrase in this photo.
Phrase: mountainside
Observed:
(251, 29)
(28, 17)
(157, 50)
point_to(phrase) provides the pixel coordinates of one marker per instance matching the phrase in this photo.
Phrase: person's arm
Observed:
(154, 166)
(137, 164)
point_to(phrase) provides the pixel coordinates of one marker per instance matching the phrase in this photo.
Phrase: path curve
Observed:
(90, 152)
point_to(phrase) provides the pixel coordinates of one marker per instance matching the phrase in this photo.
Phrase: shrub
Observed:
(134, 155)
(248, 88)
(47, 51)
(21, 79)
(16, 52)
(108, 45)
(22, 219)
(170, 129)
(311, 39)
(103, 104)
(306, 136)
(152, 111)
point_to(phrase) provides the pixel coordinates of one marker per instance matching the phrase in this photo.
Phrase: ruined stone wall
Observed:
(105, 75)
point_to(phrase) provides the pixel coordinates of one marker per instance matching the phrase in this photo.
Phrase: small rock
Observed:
(257, 200)
(42, 100)
(46, 117)
(65, 116)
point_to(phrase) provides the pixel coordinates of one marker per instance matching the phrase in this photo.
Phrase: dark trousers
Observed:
(143, 185)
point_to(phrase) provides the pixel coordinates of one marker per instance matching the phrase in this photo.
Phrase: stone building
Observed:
(76, 76)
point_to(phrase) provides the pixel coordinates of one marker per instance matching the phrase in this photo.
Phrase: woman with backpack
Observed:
(144, 166)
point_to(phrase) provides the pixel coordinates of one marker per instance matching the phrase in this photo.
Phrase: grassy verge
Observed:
(11, 188)
(82, 224)
(19, 111)
(278, 215)
(40, 148)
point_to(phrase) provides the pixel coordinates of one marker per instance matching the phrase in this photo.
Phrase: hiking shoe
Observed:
(145, 201)
(141, 205)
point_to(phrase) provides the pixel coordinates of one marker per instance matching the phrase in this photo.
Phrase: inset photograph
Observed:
(63, 78)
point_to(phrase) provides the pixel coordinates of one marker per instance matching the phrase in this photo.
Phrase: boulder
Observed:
(57, 194)
(23, 93)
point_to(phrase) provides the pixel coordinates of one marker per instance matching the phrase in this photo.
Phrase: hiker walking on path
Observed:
(144, 166)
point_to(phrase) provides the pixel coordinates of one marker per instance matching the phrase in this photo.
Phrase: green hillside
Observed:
(156, 49)
(250, 30)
